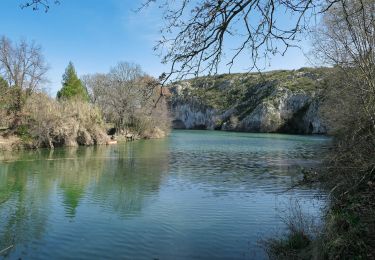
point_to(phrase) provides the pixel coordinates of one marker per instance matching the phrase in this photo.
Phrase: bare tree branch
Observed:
(36, 4)
(22, 66)
(197, 34)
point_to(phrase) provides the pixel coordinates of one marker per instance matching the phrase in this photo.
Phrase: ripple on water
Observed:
(201, 195)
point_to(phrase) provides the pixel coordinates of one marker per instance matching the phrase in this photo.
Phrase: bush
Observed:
(153, 123)
(66, 123)
(349, 171)
(296, 243)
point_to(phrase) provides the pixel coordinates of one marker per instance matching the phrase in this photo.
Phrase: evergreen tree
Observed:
(72, 86)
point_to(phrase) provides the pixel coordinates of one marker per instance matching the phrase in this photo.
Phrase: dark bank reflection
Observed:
(116, 178)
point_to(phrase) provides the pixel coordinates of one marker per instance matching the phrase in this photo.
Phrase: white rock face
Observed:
(272, 109)
(194, 117)
(312, 121)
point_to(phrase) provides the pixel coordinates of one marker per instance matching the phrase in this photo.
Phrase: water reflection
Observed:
(196, 194)
(133, 172)
(74, 170)
(245, 162)
(32, 183)
(23, 208)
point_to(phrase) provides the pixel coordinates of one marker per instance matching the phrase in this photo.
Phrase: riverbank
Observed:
(15, 143)
(10, 143)
(48, 123)
(348, 230)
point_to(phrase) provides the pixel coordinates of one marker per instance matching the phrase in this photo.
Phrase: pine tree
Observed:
(72, 86)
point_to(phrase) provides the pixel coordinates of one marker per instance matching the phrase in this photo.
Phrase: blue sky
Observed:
(96, 34)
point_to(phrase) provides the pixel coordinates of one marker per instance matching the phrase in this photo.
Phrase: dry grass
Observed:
(68, 123)
(297, 241)
(10, 143)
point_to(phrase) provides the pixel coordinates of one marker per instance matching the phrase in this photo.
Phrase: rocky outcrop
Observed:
(191, 116)
(269, 107)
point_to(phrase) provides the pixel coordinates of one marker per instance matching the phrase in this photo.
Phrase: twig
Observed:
(360, 181)
(6, 249)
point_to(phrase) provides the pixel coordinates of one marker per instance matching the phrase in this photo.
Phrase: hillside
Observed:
(277, 101)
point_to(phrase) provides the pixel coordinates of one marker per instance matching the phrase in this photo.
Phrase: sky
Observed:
(97, 34)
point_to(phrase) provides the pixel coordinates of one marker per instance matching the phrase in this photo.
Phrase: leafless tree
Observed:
(345, 37)
(23, 67)
(122, 94)
(96, 86)
(346, 40)
(198, 33)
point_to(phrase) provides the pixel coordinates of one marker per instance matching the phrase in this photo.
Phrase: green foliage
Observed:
(72, 86)
(23, 132)
(238, 90)
(3, 84)
(11, 102)
(4, 89)
(348, 232)
(290, 247)
(296, 243)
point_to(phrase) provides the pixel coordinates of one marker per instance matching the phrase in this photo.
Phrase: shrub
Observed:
(296, 242)
(66, 123)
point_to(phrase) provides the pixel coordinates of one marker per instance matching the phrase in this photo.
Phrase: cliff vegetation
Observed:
(276, 101)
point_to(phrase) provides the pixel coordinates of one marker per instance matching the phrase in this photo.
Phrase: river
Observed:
(193, 195)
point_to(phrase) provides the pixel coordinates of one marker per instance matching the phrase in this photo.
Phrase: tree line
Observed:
(126, 99)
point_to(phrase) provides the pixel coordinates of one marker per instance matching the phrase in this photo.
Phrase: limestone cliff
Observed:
(278, 101)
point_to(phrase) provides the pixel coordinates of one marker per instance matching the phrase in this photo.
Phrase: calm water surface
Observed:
(194, 195)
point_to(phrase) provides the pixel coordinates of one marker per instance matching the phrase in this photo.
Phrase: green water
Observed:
(194, 195)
